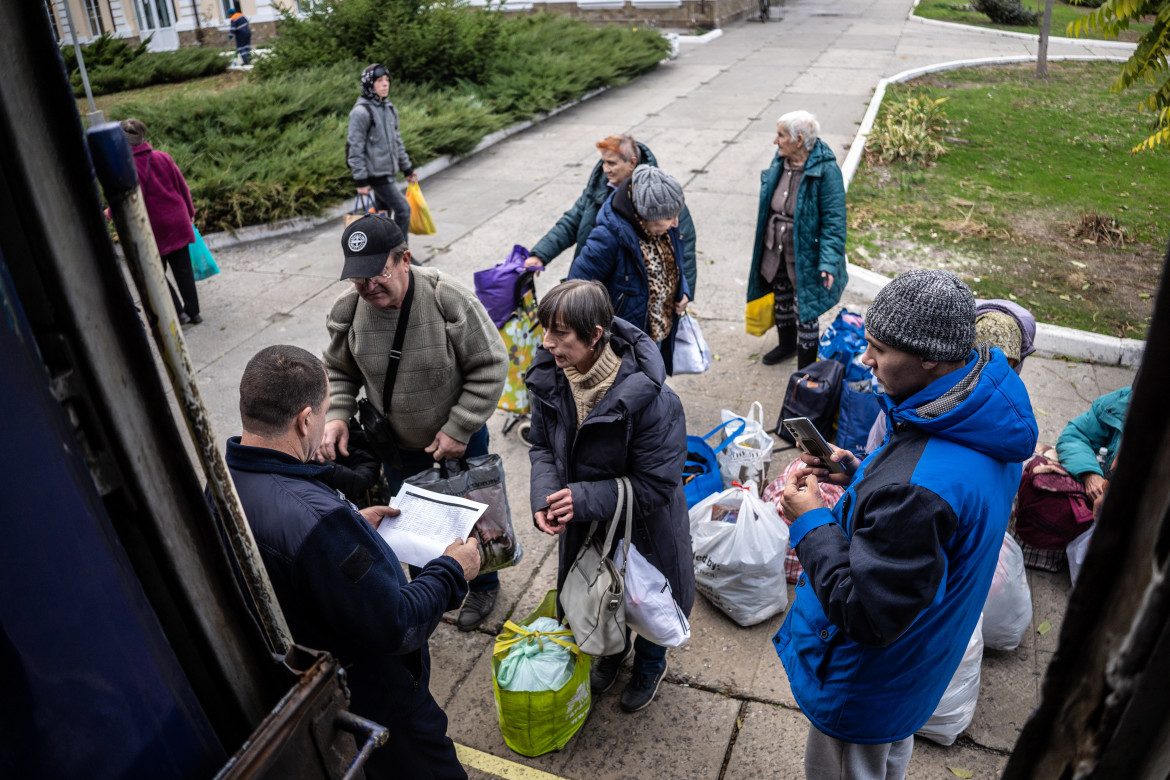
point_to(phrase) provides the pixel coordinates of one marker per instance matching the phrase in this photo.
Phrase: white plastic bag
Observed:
(537, 663)
(691, 353)
(650, 606)
(739, 543)
(747, 457)
(1076, 550)
(957, 707)
(1007, 613)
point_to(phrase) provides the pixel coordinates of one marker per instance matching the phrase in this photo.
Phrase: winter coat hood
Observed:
(984, 406)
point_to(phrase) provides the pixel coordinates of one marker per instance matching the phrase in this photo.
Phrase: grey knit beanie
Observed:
(926, 313)
(656, 194)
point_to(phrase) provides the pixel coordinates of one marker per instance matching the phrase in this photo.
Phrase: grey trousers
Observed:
(827, 758)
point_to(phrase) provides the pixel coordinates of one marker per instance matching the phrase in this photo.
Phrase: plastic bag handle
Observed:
(751, 413)
(720, 427)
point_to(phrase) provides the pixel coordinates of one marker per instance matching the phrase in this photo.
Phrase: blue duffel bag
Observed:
(701, 472)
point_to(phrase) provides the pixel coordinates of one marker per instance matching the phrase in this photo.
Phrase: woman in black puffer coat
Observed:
(601, 409)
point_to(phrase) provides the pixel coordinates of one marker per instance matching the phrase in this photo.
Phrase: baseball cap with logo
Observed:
(367, 243)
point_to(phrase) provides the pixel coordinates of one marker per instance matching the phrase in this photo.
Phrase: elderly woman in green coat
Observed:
(799, 252)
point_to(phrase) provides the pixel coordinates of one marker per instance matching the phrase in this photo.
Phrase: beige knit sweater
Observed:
(453, 367)
(589, 388)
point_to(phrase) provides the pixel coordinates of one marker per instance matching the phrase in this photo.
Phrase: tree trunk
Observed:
(1042, 49)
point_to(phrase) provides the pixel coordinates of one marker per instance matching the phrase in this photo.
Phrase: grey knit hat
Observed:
(926, 313)
(656, 194)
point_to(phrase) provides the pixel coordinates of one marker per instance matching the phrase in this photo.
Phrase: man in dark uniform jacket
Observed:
(340, 586)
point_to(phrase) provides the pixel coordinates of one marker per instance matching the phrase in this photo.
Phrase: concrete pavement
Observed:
(726, 710)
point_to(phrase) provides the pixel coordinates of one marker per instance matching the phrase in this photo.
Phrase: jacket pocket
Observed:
(812, 635)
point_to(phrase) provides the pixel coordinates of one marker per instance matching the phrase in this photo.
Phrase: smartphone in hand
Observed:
(809, 440)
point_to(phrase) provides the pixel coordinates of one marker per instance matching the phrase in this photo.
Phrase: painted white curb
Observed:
(1085, 42)
(1051, 340)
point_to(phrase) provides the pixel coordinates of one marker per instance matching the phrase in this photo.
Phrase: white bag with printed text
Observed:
(739, 543)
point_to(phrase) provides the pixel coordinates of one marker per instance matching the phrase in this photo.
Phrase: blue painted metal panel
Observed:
(89, 686)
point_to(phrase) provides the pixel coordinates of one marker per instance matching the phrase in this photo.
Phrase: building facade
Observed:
(164, 24)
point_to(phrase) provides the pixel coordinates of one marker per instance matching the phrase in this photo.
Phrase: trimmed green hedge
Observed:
(273, 147)
(113, 65)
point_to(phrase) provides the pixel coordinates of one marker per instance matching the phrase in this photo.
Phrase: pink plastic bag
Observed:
(775, 492)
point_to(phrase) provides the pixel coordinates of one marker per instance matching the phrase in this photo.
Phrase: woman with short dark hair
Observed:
(601, 410)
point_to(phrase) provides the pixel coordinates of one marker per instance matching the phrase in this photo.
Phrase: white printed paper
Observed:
(428, 522)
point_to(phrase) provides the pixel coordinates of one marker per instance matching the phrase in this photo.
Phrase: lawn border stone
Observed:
(1051, 340)
(1052, 39)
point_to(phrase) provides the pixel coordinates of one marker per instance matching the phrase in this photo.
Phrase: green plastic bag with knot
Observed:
(537, 722)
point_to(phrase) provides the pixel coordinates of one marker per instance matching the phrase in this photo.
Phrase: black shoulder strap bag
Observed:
(377, 424)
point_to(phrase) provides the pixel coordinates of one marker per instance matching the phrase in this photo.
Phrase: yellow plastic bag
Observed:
(421, 223)
(759, 316)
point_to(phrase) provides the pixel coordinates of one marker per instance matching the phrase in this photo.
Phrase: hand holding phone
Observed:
(809, 440)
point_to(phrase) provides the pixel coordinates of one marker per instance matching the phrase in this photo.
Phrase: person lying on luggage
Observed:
(896, 575)
(1085, 436)
(604, 411)
(620, 155)
(339, 585)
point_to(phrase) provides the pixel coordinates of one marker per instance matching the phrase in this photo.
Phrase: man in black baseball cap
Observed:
(450, 365)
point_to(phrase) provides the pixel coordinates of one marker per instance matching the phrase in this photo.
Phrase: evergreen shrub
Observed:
(1006, 12)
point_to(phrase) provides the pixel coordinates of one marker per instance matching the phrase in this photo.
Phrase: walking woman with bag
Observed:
(601, 411)
(171, 213)
(374, 150)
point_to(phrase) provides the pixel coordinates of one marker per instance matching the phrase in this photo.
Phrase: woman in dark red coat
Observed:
(171, 212)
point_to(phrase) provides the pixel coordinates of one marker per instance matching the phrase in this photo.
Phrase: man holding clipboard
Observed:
(340, 586)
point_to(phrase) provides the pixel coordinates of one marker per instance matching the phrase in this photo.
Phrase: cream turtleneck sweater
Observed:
(588, 389)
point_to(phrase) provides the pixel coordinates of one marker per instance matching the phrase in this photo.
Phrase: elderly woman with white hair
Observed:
(799, 253)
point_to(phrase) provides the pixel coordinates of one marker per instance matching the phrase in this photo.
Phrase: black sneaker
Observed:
(476, 607)
(603, 673)
(641, 689)
(196, 319)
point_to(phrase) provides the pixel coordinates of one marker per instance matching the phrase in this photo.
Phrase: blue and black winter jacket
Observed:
(340, 585)
(897, 573)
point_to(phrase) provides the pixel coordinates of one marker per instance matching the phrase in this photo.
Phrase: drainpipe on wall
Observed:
(198, 25)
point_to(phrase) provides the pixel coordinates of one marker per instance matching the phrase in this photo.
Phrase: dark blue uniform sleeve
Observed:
(356, 585)
(874, 585)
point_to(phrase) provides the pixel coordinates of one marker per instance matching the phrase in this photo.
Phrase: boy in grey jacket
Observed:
(374, 150)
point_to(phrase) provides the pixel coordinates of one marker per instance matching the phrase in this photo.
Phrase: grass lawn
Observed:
(1062, 16)
(1026, 159)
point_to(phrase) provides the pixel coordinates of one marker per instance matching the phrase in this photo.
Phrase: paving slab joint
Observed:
(1051, 340)
(735, 728)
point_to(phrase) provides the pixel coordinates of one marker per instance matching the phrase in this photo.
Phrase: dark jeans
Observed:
(417, 747)
(180, 264)
(414, 461)
(387, 197)
(649, 658)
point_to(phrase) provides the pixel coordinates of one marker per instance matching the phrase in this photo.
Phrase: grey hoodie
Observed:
(375, 149)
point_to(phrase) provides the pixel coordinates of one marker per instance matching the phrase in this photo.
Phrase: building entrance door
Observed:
(156, 18)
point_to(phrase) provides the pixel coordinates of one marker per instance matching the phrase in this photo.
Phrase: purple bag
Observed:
(496, 286)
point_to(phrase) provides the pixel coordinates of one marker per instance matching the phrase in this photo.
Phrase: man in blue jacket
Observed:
(339, 585)
(895, 576)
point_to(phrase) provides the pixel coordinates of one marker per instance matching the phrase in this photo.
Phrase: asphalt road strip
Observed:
(499, 767)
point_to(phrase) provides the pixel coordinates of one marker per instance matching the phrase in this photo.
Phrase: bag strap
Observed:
(519, 633)
(731, 436)
(623, 486)
(396, 350)
(752, 413)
